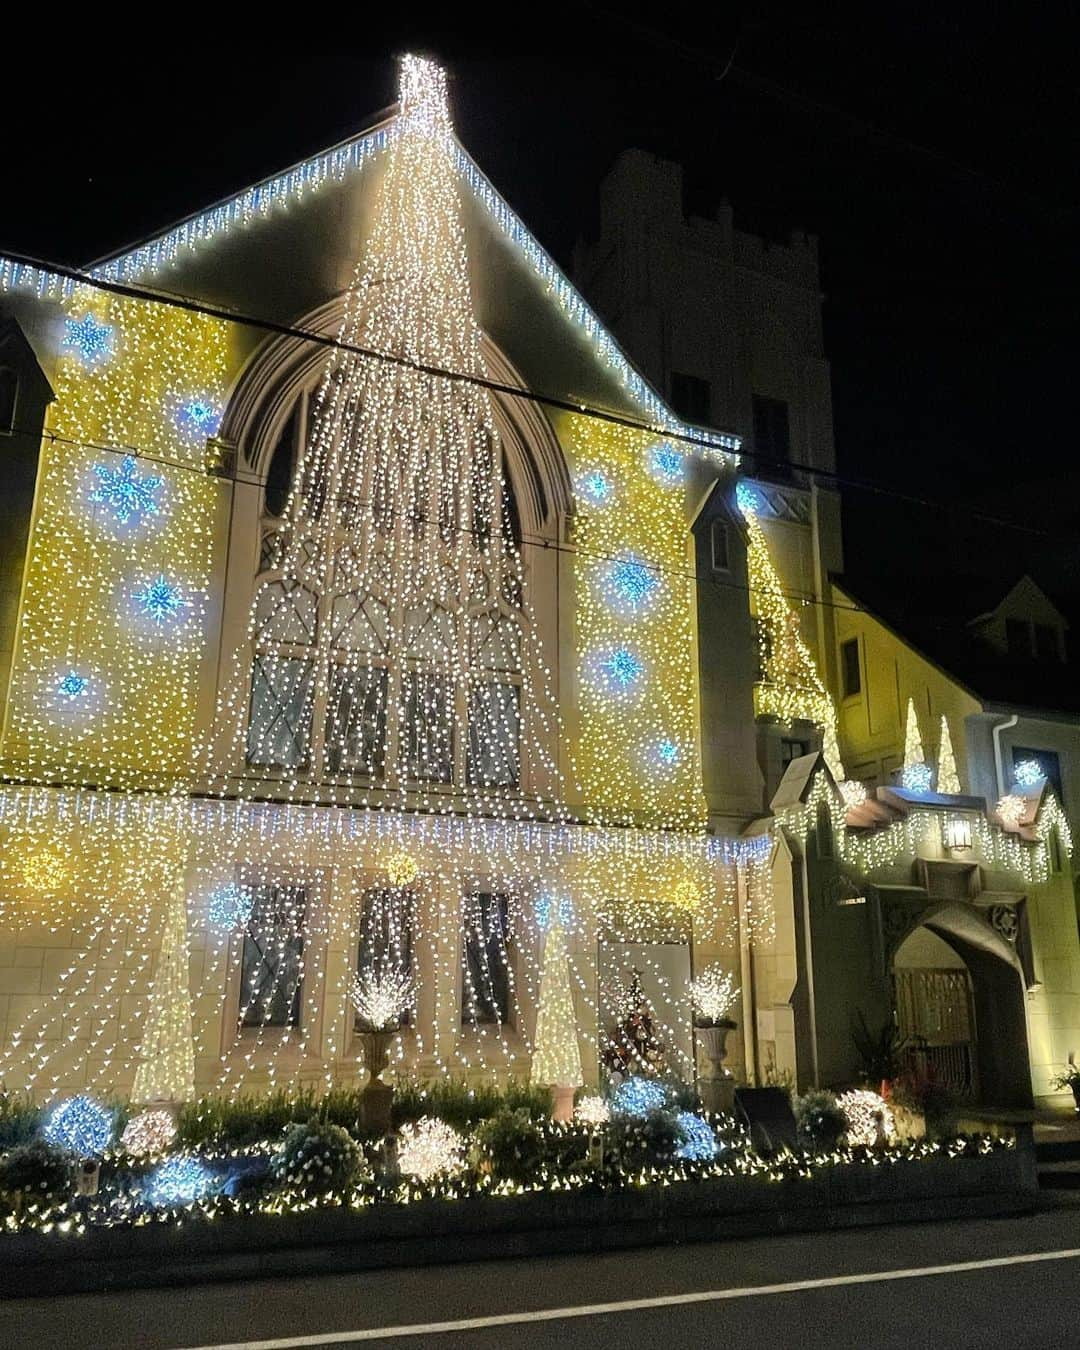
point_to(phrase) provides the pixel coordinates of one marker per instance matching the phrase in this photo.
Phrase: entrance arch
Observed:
(974, 964)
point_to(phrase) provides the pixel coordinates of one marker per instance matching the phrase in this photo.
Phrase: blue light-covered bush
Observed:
(638, 1096)
(80, 1125)
(179, 1181)
(698, 1141)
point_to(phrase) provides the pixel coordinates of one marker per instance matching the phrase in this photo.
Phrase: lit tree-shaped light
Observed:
(556, 1060)
(121, 488)
(948, 780)
(166, 1064)
(916, 774)
(790, 687)
(92, 341)
(424, 674)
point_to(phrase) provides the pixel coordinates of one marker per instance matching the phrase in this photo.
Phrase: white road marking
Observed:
(636, 1304)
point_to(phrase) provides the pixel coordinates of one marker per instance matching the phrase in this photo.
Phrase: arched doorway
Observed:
(959, 994)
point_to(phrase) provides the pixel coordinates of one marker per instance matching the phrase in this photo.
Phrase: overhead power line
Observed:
(702, 442)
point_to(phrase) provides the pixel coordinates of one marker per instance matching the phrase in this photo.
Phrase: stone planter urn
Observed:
(377, 1096)
(717, 1085)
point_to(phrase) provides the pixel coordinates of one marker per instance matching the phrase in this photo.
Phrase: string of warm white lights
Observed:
(791, 687)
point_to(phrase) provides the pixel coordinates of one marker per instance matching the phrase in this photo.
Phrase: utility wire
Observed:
(579, 409)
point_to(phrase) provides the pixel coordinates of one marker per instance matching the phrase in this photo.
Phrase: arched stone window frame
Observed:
(286, 371)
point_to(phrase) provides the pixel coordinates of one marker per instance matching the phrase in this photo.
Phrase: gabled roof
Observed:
(283, 247)
(936, 627)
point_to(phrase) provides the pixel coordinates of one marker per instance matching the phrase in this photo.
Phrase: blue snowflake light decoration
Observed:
(198, 418)
(1028, 773)
(92, 340)
(667, 464)
(746, 499)
(699, 1142)
(72, 685)
(179, 1181)
(667, 752)
(230, 907)
(552, 907)
(81, 1126)
(129, 495)
(620, 670)
(638, 1096)
(160, 599)
(634, 582)
(596, 487)
(917, 777)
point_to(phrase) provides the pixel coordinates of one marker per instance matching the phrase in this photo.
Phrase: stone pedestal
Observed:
(377, 1097)
(716, 1086)
(562, 1102)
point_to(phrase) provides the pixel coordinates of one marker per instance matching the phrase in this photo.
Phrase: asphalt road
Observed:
(874, 1289)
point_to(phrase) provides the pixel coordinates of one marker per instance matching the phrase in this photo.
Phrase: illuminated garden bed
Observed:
(512, 1185)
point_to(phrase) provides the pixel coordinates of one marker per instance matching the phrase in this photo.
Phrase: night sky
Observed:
(937, 157)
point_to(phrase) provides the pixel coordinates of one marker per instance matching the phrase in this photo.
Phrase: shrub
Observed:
(242, 1120)
(511, 1145)
(650, 1140)
(820, 1121)
(463, 1105)
(19, 1119)
(35, 1171)
(317, 1158)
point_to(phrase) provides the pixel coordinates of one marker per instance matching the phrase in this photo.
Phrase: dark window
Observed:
(387, 927)
(494, 734)
(824, 830)
(9, 397)
(272, 961)
(792, 749)
(718, 546)
(1018, 637)
(852, 673)
(279, 725)
(279, 476)
(485, 975)
(1046, 642)
(772, 436)
(691, 397)
(356, 721)
(1048, 762)
(429, 732)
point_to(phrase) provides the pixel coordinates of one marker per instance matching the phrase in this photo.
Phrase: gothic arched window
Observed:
(360, 673)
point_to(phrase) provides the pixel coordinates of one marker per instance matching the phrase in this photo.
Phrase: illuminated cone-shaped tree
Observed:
(633, 1047)
(556, 1060)
(166, 1068)
(790, 686)
(948, 780)
(396, 569)
(916, 773)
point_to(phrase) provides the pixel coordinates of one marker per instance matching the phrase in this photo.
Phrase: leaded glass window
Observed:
(429, 731)
(272, 959)
(485, 975)
(279, 724)
(494, 735)
(356, 721)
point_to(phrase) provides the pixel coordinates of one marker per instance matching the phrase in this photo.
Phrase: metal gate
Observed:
(935, 1013)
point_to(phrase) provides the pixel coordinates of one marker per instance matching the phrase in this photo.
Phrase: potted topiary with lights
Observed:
(381, 999)
(1070, 1078)
(713, 994)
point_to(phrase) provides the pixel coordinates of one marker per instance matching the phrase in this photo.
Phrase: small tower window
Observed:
(718, 543)
(9, 397)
